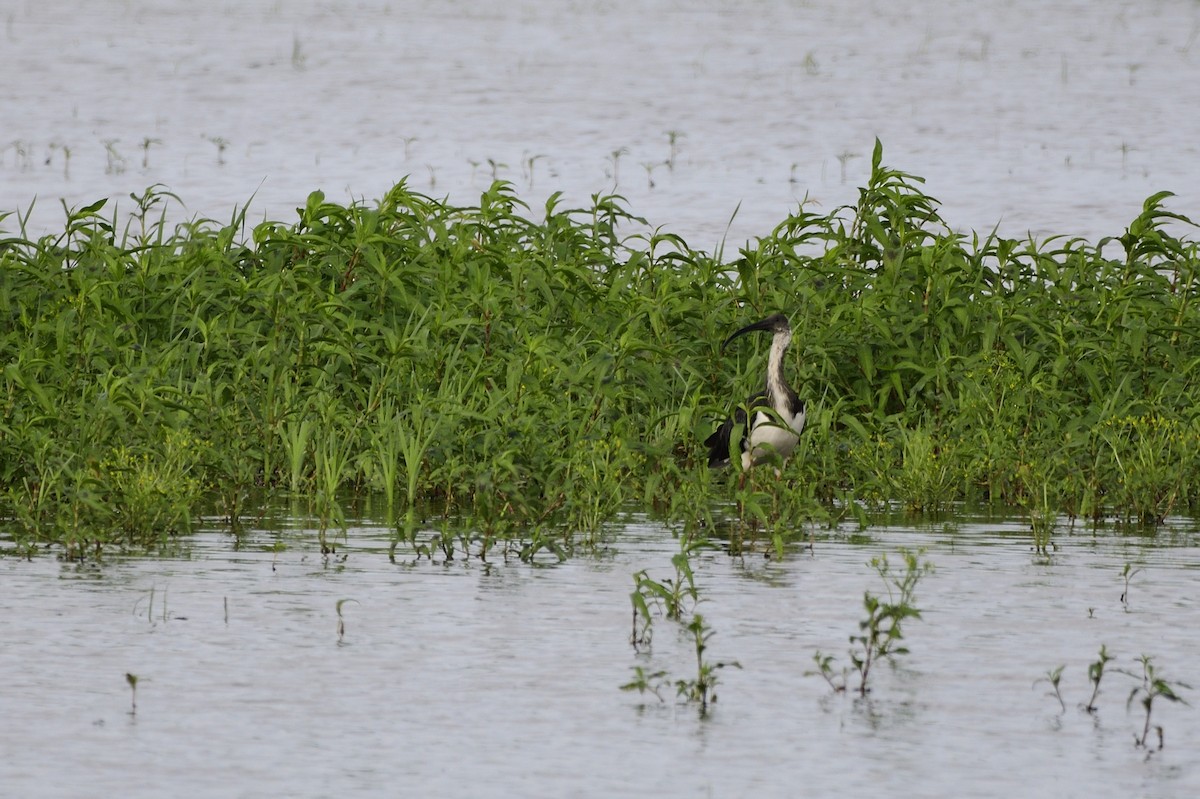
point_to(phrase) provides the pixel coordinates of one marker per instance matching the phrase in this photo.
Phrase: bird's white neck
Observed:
(775, 384)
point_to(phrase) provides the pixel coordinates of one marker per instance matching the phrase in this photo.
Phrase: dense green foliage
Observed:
(525, 379)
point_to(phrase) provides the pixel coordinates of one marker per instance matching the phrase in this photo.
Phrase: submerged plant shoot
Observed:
(522, 375)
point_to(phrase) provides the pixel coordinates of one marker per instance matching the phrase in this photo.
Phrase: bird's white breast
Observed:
(768, 439)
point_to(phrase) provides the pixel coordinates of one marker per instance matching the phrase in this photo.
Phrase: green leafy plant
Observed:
(1127, 574)
(882, 630)
(1152, 687)
(702, 688)
(1095, 675)
(670, 595)
(647, 682)
(1053, 678)
(132, 680)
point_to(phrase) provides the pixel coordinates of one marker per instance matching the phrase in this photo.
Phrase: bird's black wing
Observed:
(718, 442)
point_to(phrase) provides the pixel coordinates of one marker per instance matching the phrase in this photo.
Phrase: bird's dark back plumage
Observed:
(718, 443)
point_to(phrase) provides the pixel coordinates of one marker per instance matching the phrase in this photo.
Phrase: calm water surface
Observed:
(466, 679)
(1050, 118)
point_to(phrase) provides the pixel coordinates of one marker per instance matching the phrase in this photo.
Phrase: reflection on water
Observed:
(468, 679)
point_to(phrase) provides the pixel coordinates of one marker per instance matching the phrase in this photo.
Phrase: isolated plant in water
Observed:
(1152, 687)
(1095, 674)
(647, 682)
(702, 689)
(1053, 678)
(643, 624)
(132, 679)
(670, 594)
(1127, 574)
(882, 631)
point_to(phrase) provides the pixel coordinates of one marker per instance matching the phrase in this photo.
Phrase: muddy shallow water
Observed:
(1050, 118)
(466, 679)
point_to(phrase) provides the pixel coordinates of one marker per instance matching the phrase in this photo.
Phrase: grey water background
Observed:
(1042, 118)
(465, 679)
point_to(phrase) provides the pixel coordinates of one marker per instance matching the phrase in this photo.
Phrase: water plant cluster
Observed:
(524, 375)
(675, 598)
(882, 630)
(1150, 686)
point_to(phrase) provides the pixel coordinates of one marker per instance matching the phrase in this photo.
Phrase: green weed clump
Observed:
(523, 375)
(670, 595)
(882, 631)
(1151, 686)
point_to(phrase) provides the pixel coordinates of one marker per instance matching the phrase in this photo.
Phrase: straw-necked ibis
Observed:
(768, 435)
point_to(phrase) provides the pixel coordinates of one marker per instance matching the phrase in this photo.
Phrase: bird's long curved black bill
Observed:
(769, 323)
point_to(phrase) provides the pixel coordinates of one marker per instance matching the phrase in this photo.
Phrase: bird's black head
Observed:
(775, 323)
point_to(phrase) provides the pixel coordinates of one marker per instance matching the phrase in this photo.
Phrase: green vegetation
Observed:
(883, 628)
(1054, 679)
(702, 689)
(1127, 574)
(132, 680)
(1095, 675)
(518, 377)
(1152, 687)
(669, 593)
(668, 596)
